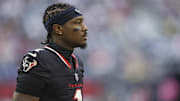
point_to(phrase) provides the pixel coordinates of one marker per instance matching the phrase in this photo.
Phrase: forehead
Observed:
(76, 18)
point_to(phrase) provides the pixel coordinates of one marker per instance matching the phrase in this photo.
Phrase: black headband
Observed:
(62, 17)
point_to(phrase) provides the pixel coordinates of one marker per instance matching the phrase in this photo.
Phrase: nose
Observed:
(85, 28)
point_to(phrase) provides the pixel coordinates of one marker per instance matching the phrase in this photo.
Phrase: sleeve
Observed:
(32, 75)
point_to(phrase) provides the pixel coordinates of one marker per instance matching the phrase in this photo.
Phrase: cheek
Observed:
(73, 32)
(72, 35)
(77, 28)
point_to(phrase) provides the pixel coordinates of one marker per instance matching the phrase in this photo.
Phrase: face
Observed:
(75, 32)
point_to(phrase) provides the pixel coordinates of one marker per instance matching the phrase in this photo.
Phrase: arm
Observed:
(24, 97)
(31, 79)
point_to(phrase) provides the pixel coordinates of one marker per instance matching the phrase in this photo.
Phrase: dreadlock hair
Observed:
(51, 11)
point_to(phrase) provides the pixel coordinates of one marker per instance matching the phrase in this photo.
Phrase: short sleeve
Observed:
(32, 75)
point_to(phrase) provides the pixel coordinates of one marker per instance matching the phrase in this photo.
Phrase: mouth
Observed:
(85, 38)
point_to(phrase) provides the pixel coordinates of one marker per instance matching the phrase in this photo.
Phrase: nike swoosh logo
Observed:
(32, 54)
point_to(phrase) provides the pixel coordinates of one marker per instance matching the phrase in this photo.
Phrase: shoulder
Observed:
(33, 59)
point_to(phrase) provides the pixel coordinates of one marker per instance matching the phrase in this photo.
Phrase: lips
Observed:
(85, 35)
(85, 38)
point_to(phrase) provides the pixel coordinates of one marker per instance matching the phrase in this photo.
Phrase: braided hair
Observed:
(51, 11)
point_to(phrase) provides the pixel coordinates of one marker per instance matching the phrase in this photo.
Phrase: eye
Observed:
(78, 22)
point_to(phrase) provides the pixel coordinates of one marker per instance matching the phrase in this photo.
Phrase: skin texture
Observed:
(66, 36)
(70, 35)
(24, 97)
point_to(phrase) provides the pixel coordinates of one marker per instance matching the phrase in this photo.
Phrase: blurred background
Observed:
(133, 51)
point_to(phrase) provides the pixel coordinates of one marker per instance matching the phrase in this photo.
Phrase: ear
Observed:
(58, 29)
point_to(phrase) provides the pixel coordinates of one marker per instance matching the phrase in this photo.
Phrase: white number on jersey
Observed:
(78, 95)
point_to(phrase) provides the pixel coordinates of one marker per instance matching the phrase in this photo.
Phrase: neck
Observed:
(62, 44)
(63, 51)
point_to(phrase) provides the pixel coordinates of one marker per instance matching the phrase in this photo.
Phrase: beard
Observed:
(84, 46)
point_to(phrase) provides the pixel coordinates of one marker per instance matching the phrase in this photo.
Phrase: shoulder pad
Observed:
(34, 53)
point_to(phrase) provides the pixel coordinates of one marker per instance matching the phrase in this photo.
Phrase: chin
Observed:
(83, 46)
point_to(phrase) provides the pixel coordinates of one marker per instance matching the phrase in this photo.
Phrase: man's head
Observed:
(65, 26)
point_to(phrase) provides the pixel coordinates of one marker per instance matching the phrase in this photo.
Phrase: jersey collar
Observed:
(64, 59)
(64, 52)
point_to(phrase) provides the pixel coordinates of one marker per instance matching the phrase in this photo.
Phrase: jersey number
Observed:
(78, 95)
